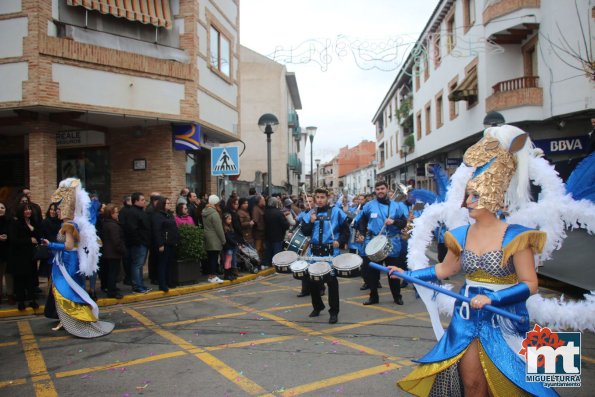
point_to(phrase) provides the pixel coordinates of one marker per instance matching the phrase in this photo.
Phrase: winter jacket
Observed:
(276, 224)
(165, 230)
(112, 234)
(137, 227)
(213, 226)
(259, 225)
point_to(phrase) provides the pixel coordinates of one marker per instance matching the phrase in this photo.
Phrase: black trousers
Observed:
(24, 287)
(372, 277)
(333, 294)
(153, 265)
(112, 269)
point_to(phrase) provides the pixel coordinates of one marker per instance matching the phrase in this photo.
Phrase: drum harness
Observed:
(324, 249)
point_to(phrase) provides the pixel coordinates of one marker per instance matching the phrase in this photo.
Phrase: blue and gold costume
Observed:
(498, 337)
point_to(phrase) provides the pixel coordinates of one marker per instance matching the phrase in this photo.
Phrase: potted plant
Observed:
(189, 252)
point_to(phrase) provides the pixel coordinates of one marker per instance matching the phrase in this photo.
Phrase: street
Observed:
(250, 339)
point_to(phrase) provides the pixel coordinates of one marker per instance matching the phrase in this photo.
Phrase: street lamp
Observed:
(405, 149)
(268, 124)
(311, 132)
(317, 172)
(493, 119)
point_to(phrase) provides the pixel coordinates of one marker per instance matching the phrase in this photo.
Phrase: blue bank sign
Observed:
(566, 145)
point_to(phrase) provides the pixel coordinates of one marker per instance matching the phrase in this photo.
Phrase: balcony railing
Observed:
(516, 84)
(498, 8)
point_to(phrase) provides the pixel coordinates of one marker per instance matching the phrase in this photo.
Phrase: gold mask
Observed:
(65, 196)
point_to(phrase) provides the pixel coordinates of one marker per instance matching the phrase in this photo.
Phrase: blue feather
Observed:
(441, 179)
(581, 181)
(423, 195)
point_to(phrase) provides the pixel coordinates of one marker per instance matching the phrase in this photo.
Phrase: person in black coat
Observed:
(23, 236)
(49, 229)
(165, 238)
(276, 226)
(127, 260)
(114, 248)
(4, 223)
(137, 230)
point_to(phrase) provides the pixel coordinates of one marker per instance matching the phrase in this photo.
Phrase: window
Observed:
(417, 82)
(219, 48)
(451, 38)
(428, 112)
(469, 14)
(426, 65)
(418, 125)
(439, 110)
(437, 54)
(453, 106)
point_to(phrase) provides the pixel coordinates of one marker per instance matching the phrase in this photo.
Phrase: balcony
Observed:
(294, 163)
(504, 7)
(292, 119)
(522, 91)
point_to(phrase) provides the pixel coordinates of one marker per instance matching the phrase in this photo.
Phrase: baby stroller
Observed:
(248, 258)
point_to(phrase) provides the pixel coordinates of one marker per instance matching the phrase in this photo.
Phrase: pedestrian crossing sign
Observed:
(225, 161)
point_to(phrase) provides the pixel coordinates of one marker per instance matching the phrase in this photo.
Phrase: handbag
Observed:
(41, 252)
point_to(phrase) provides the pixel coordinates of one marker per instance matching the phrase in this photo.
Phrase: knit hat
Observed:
(213, 199)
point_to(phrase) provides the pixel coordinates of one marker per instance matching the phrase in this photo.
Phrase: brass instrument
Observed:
(406, 231)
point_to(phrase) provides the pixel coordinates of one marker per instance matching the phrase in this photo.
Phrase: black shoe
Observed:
(322, 292)
(127, 282)
(164, 289)
(37, 290)
(115, 296)
(371, 302)
(34, 305)
(404, 284)
(302, 294)
(333, 319)
(379, 285)
(364, 287)
(315, 313)
(399, 300)
(21, 306)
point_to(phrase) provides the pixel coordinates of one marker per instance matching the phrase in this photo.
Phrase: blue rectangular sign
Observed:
(566, 145)
(186, 136)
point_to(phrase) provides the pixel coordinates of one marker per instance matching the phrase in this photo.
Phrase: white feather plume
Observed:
(88, 246)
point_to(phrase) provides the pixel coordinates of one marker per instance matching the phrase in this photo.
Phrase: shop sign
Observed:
(78, 138)
(566, 145)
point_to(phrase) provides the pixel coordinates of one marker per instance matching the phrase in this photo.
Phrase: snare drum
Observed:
(320, 271)
(298, 243)
(378, 248)
(347, 265)
(283, 260)
(299, 270)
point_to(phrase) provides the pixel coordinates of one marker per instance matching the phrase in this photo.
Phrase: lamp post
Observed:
(405, 149)
(268, 124)
(317, 172)
(311, 132)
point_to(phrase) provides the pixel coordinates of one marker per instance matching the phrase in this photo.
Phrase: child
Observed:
(229, 249)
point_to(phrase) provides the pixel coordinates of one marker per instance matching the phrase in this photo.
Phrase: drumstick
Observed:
(406, 277)
(389, 201)
(309, 205)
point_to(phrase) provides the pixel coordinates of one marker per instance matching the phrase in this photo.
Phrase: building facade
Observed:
(95, 90)
(267, 87)
(479, 56)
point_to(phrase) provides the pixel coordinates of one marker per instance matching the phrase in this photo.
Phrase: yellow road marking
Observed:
(176, 302)
(228, 372)
(129, 363)
(250, 343)
(362, 324)
(279, 308)
(336, 380)
(69, 337)
(201, 319)
(8, 344)
(42, 384)
(14, 382)
(588, 359)
(361, 348)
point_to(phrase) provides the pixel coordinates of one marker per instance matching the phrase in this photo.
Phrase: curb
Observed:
(153, 295)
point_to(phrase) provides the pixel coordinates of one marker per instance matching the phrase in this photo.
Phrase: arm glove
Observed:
(425, 274)
(517, 293)
(56, 246)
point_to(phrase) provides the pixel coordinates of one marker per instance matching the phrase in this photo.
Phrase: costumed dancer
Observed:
(323, 227)
(378, 215)
(75, 256)
(478, 355)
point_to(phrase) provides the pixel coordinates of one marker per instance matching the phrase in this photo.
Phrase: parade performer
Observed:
(302, 218)
(323, 228)
(382, 214)
(76, 256)
(478, 354)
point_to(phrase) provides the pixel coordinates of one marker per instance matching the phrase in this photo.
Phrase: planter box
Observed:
(185, 272)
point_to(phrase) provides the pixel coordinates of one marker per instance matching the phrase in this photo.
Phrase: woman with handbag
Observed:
(165, 238)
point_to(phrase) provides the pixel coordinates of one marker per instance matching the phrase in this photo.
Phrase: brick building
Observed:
(94, 89)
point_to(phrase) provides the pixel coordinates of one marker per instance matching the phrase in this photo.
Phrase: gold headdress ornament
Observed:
(65, 196)
(495, 165)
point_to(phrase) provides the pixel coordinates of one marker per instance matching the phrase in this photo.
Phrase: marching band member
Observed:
(323, 227)
(479, 353)
(301, 219)
(380, 214)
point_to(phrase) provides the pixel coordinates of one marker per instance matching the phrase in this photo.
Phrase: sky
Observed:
(345, 54)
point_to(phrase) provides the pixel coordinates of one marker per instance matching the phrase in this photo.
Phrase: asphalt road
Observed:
(251, 339)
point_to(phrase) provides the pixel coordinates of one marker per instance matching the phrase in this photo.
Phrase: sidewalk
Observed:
(7, 310)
